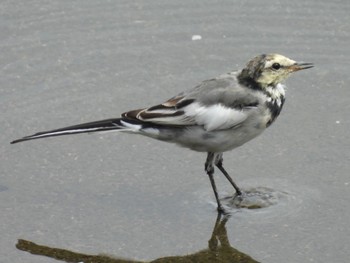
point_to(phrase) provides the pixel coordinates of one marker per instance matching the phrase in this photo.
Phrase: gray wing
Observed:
(215, 104)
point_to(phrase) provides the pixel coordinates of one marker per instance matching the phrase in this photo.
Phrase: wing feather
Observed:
(216, 104)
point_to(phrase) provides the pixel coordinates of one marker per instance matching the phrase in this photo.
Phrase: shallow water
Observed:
(256, 198)
(129, 197)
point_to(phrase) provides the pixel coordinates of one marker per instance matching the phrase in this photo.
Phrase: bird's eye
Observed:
(276, 66)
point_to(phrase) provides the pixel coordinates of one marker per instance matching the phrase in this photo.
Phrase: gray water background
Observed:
(67, 62)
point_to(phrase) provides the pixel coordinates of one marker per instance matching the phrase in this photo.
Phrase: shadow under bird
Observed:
(216, 116)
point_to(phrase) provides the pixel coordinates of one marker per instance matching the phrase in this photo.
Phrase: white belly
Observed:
(198, 139)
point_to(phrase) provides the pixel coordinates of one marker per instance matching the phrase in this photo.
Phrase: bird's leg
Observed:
(218, 162)
(209, 168)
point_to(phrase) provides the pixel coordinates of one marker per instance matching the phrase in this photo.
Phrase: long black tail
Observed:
(96, 126)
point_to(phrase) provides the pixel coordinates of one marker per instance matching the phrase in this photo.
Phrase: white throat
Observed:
(276, 92)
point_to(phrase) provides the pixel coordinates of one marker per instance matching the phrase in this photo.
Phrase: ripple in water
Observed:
(256, 198)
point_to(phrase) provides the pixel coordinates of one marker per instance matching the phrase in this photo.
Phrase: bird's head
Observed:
(271, 69)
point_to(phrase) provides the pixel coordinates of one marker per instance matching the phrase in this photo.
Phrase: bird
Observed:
(216, 116)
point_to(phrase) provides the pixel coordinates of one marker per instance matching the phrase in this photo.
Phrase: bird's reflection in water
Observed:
(219, 250)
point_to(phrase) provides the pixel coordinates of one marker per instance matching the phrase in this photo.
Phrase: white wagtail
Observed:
(216, 116)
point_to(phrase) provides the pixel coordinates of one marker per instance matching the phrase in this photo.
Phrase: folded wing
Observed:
(194, 109)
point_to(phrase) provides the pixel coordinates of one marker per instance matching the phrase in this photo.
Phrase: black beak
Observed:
(301, 65)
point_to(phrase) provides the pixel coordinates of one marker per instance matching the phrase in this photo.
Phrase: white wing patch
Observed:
(212, 117)
(215, 117)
